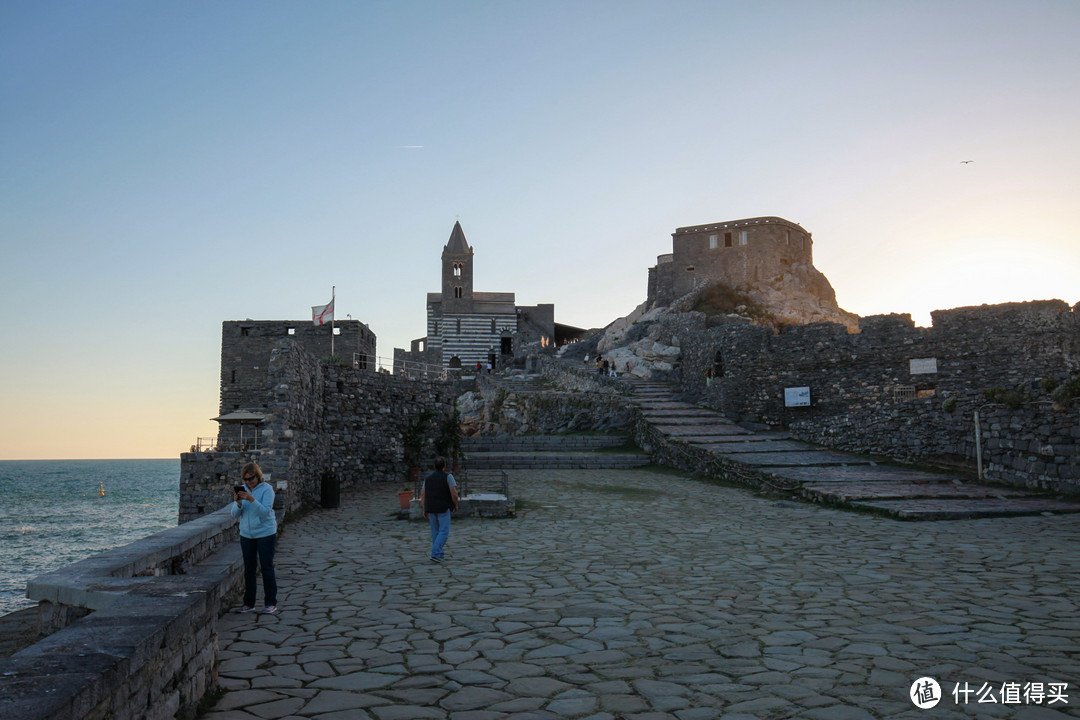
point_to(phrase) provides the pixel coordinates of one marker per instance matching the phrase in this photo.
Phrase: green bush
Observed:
(1011, 399)
(949, 404)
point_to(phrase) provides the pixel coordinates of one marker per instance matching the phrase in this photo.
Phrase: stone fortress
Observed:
(466, 327)
(769, 257)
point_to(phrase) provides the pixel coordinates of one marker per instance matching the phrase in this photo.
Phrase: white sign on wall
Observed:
(797, 397)
(923, 366)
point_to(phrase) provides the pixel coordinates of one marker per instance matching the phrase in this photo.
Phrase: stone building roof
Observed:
(457, 243)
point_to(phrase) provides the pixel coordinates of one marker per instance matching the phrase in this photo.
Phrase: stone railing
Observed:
(131, 632)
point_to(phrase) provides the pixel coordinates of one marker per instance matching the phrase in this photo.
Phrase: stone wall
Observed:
(246, 346)
(320, 419)
(884, 389)
(147, 648)
(580, 404)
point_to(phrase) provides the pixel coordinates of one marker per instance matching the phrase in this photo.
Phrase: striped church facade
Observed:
(462, 340)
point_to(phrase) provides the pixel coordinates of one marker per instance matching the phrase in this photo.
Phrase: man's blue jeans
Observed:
(263, 549)
(440, 532)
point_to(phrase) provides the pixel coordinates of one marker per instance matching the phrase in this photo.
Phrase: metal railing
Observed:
(479, 481)
(213, 444)
(903, 393)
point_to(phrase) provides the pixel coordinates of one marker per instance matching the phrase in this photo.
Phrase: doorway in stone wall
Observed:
(506, 345)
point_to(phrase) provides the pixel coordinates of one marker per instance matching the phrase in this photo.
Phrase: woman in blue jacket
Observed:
(258, 536)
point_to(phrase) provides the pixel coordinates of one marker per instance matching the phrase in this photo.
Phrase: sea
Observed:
(52, 513)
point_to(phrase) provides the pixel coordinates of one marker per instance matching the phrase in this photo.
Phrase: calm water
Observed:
(51, 513)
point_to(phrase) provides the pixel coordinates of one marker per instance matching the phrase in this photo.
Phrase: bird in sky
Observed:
(965, 162)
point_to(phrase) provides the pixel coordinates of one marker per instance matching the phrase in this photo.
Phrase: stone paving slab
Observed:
(761, 445)
(634, 595)
(805, 457)
(861, 474)
(699, 429)
(847, 491)
(951, 509)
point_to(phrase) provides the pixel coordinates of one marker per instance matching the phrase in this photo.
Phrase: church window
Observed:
(712, 241)
(457, 291)
(455, 362)
(459, 326)
(457, 269)
(689, 268)
(727, 239)
(292, 331)
(492, 324)
(420, 346)
(742, 237)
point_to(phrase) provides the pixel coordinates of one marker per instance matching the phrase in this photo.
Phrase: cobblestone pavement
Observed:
(645, 596)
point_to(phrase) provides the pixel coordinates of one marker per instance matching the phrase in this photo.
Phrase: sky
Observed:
(165, 167)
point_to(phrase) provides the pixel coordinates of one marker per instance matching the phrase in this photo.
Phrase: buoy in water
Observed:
(102, 486)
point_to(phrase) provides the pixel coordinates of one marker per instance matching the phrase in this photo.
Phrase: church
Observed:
(466, 327)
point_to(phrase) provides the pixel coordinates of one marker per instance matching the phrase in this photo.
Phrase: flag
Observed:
(322, 314)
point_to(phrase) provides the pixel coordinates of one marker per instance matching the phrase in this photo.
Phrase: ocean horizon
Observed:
(55, 514)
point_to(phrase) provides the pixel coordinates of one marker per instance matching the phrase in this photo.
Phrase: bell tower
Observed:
(457, 274)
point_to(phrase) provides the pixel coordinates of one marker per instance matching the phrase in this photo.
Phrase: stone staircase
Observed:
(551, 451)
(829, 476)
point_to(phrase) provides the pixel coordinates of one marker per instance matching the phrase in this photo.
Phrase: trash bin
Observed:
(331, 490)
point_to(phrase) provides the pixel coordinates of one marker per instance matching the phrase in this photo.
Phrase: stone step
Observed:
(539, 443)
(555, 460)
(963, 509)
(844, 492)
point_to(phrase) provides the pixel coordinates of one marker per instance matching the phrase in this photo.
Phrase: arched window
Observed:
(457, 269)
(457, 291)
(455, 363)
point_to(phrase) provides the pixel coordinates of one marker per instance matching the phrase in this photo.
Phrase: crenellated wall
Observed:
(883, 390)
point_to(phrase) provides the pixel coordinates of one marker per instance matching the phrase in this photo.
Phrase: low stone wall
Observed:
(148, 647)
(676, 453)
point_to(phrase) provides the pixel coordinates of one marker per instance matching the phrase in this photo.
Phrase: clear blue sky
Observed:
(168, 166)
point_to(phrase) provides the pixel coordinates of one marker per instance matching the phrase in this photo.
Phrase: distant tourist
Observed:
(489, 367)
(477, 367)
(613, 373)
(438, 497)
(708, 377)
(586, 358)
(258, 536)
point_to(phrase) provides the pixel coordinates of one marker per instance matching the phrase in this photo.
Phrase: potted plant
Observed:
(405, 496)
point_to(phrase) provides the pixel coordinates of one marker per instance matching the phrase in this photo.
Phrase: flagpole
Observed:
(333, 291)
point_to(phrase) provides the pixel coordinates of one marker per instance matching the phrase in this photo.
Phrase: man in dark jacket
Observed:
(438, 498)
